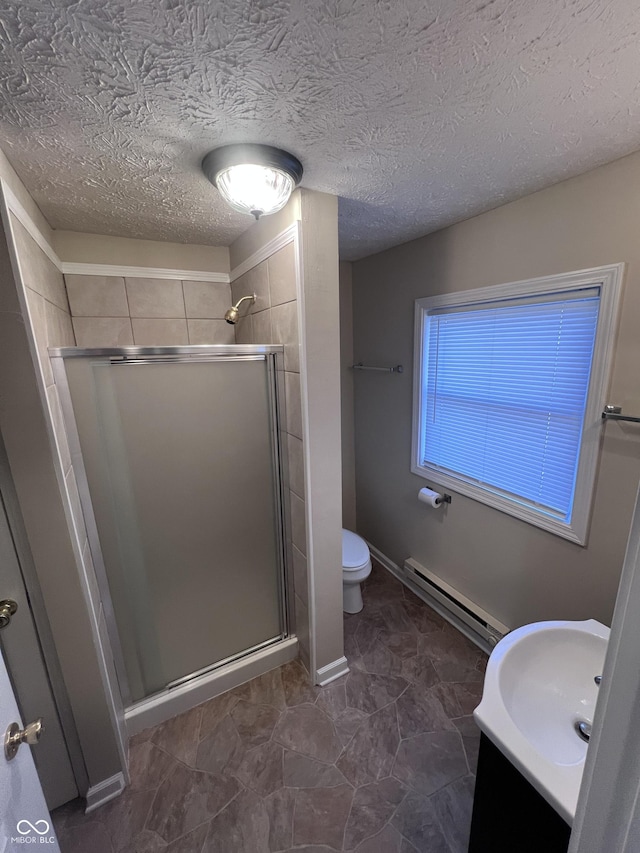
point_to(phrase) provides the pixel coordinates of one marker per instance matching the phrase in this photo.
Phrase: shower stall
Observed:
(183, 485)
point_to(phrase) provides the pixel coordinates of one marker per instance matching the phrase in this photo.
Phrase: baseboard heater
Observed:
(482, 628)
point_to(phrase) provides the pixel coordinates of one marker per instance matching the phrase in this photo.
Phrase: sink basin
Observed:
(539, 684)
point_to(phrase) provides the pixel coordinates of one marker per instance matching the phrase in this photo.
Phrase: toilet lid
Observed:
(355, 552)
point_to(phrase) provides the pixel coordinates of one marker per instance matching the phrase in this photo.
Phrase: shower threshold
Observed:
(187, 693)
(231, 659)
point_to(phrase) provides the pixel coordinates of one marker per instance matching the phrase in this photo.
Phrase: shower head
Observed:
(232, 314)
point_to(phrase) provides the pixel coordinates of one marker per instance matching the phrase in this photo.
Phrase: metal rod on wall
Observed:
(397, 369)
(614, 413)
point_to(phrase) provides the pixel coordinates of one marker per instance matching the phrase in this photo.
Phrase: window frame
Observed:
(609, 279)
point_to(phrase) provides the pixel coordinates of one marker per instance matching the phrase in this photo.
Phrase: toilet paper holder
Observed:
(432, 498)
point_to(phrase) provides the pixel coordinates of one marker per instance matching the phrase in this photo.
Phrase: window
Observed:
(510, 382)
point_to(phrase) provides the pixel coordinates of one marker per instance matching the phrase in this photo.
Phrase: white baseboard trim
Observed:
(397, 572)
(104, 791)
(326, 674)
(169, 703)
(386, 562)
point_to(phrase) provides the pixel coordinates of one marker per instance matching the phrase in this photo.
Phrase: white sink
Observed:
(539, 683)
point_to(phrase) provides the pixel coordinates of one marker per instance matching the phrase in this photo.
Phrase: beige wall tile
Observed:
(90, 574)
(255, 281)
(206, 300)
(59, 430)
(211, 332)
(97, 296)
(284, 325)
(162, 333)
(38, 272)
(59, 327)
(302, 628)
(296, 465)
(244, 330)
(15, 185)
(103, 331)
(51, 328)
(75, 504)
(294, 407)
(298, 523)
(262, 333)
(282, 275)
(155, 297)
(300, 581)
(38, 316)
(266, 229)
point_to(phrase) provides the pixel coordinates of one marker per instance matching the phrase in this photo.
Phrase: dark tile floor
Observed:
(381, 761)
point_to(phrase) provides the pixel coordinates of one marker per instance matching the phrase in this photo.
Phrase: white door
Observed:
(24, 819)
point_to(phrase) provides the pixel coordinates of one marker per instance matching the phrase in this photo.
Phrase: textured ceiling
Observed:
(417, 113)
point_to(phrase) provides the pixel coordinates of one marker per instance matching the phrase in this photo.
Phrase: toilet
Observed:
(356, 567)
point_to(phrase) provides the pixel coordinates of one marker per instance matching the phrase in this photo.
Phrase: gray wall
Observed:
(346, 397)
(517, 572)
(80, 247)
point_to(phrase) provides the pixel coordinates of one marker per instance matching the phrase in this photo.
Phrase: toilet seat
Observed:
(355, 553)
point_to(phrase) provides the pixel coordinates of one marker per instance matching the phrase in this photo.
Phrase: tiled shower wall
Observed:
(110, 311)
(114, 311)
(273, 319)
(46, 297)
(51, 325)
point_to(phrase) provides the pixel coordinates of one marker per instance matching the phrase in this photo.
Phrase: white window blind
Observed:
(505, 387)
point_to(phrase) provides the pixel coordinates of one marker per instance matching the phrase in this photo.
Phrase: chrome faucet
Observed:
(583, 728)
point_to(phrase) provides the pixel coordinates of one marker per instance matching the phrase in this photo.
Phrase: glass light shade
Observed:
(254, 189)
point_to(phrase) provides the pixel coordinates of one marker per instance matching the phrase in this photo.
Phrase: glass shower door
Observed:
(182, 467)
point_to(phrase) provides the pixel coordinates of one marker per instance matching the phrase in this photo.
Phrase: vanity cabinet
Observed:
(509, 815)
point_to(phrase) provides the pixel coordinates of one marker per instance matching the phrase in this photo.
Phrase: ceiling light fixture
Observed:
(256, 179)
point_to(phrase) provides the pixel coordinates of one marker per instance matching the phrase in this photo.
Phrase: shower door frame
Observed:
(273, 356)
